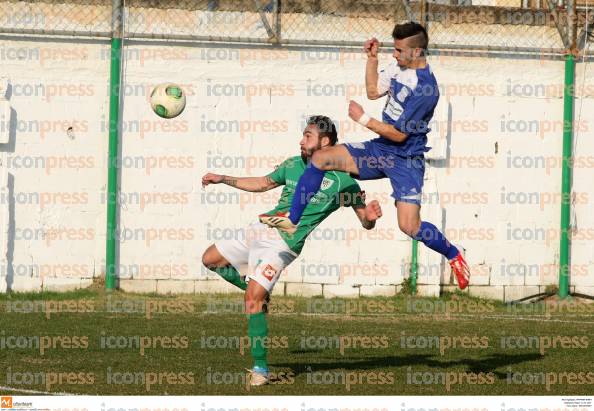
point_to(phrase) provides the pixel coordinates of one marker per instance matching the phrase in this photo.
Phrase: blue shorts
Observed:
(374, 161)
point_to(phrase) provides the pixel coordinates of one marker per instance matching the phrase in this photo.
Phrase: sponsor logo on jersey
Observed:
(402, 94)
(393, 109)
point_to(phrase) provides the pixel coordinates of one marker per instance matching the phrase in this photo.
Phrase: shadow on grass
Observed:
(488, 364)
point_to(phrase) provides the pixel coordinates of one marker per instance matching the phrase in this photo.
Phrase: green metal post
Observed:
(568, 101)
(114, 120)
(568, 97)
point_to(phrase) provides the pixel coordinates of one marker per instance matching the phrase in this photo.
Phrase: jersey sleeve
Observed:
(385, 77)
(279, 173)
(352, 195)
(418, 110)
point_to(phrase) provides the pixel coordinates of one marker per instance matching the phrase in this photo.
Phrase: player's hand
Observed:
(371, 47)
(355, 110)
(373, 211)
(211, 178)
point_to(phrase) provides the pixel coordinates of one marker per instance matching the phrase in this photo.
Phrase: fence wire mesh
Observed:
(334, 22)
(208, 20)
(76, 18)
(512, 25)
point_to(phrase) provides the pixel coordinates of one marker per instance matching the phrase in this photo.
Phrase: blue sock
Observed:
(433, 238)
(308, 185)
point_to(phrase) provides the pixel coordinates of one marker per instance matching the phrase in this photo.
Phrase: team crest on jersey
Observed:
(326, 183)
(269, 272)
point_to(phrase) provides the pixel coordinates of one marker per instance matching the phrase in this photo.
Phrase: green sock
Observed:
(231, 275)
(257, 330)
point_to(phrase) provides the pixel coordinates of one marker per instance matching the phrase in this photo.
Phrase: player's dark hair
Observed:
(412, 29)
(326, 127)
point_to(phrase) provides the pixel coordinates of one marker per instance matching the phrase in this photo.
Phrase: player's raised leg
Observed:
(409, 222)
(335, 158)
(214, 261)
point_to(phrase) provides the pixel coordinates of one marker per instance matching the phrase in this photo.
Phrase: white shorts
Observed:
(262, 249)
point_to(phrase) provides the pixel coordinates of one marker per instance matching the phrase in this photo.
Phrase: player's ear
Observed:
(325, 141)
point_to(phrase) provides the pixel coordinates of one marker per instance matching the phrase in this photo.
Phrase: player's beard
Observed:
(306, 153)
(403, 63)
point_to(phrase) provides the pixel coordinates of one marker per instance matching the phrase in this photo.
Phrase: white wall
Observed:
(267, 94)
(56, 229)
(582, 252)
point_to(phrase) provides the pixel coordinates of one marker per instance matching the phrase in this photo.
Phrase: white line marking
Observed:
(444, 317)
(33, 391)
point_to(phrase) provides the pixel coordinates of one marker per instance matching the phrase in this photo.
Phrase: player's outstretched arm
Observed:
(368, 214)
(386, 130)
(252, 184)
(383, 129)
(371, 76)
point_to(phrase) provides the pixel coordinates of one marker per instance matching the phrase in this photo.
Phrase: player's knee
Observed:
(409, 227)
(207, 259)
(254, 304)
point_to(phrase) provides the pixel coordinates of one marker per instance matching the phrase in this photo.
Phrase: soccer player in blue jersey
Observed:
(398, 152)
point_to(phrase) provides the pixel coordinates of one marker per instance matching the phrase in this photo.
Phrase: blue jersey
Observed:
(412, 97)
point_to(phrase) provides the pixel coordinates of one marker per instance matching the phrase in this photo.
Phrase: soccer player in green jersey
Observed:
(268, 251)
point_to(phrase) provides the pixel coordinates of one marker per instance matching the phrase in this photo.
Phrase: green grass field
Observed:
(91, 342)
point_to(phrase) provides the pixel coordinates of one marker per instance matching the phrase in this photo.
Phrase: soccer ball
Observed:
(168, 100)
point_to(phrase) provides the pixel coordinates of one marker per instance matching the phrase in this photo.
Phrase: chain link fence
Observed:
(88, 18)
(199, 20)
(529, 26)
